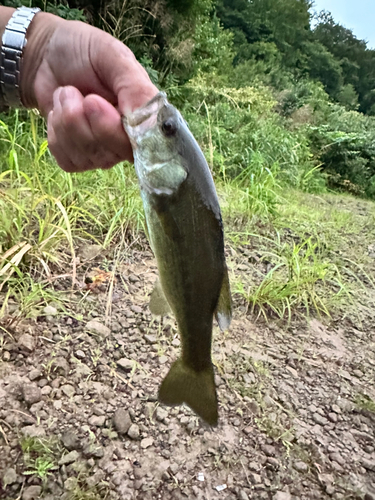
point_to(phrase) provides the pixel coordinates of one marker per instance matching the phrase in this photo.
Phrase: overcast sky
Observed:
(357, 15)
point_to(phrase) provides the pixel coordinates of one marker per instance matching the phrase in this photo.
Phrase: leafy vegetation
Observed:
(278, 105)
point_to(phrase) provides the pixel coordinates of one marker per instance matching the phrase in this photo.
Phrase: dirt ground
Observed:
(79, 417)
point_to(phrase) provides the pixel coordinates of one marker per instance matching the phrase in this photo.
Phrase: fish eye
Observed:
(169, 127)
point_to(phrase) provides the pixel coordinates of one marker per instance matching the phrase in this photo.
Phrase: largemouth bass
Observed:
(185, 230)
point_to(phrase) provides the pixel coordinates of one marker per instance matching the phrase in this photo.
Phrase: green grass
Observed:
(364, 402)
(306, 263)
(40, 456)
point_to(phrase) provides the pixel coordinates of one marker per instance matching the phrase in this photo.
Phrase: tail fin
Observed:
(196, 389)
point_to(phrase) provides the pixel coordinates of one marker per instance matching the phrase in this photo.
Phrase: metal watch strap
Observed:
(13, 43)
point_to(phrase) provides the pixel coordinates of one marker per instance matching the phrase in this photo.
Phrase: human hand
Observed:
(82, 80)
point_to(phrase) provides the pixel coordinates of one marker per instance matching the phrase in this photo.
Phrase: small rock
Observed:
(268, 450)
(150, 339)
(70, 484)
(254, 408)
(34, 431)
(31, 492)
(176, 342)
(70, 441)
(69, 458)
(97, 328)
(336, 409)
(133, 431)
(319, 419)
(122, 421)
(273, 462)
(301, 466)
(92, 450)
(35, 373)
(9, 477)
(147, 442)
(26, 342)
(282, 495)
(163, 359)
(336, 457)
(89, 252)
(98, 421)
(68, 390)
(80, 354)
(161, 414)
(61, 366)
(368, 464)
(268, 402)
(31, 394)
(136, 309)
(50, 311)
(242, 495)
(333, 417)
(126, 364)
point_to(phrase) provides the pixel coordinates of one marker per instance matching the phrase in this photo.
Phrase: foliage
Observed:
(295, 280)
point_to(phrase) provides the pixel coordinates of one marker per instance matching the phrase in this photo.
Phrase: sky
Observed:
(357, 15)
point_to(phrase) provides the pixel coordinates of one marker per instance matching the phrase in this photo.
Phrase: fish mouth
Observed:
(143, 119)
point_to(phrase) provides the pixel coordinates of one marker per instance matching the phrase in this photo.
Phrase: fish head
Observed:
(156, 132)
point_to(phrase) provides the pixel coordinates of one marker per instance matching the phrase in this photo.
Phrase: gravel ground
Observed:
(79, 417)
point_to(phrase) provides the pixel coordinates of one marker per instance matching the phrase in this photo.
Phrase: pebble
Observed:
(68, 390)
(301, 466)
(268, 450)
(31, 394)
(273, 462)
(69, 458)
(122, 421)
(368, 464)
(50, 311)
(79, 354)
(98, 328)
(282, 495)
(33, 431)
(97, 421)
(136, 309)
(319, 419)
(26, 342)
(333, 417)
(242, 495)
(93, 450)
(35, 373)
(89, 252)
(9, 477)
(147, 442)
(161, 414)
(150, 339)
(31, 492)
(126, 364)
(133, 431)
(70, 440)
(163, 359)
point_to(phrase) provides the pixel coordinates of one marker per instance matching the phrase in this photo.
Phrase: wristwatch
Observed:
(13, 43)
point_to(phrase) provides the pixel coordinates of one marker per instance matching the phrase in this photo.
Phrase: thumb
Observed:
(118, 69)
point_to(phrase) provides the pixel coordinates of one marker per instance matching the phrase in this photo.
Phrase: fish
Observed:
(185, 231)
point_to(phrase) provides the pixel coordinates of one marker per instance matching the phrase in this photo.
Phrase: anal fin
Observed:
(158, 303)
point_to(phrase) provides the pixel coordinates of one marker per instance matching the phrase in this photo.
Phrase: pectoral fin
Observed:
(158, 302)
(223, 311)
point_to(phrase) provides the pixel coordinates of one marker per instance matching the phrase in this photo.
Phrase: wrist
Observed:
(38, 36)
